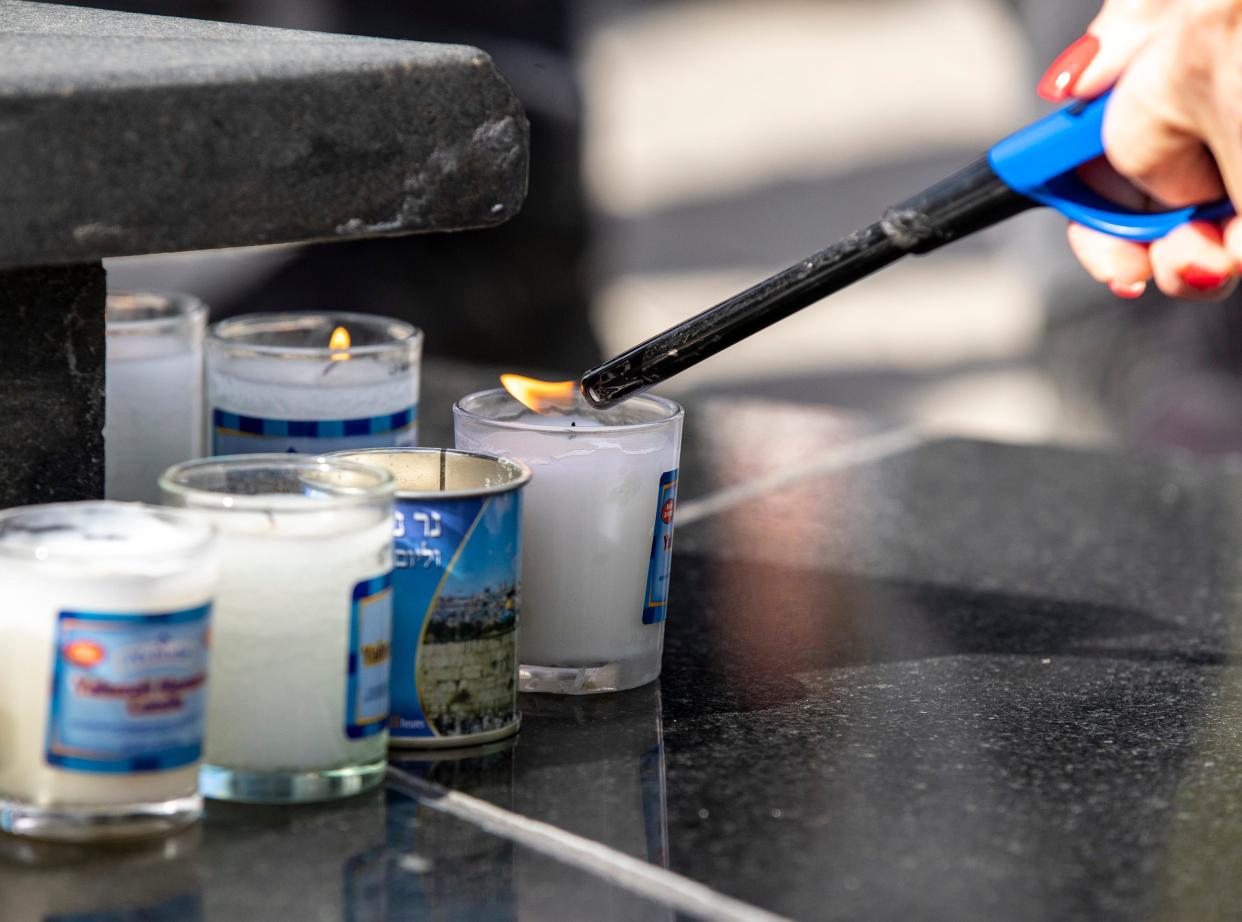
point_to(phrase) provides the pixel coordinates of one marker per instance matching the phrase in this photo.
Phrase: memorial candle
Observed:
(303, 622)
(312, 383)
(154, 392)
(102, 668)
(596, 534)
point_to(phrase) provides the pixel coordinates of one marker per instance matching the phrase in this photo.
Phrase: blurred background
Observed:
(684, 149)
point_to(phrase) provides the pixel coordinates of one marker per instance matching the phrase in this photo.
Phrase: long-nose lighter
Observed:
(1036, 166)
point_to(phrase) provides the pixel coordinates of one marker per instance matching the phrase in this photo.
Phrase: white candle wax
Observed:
(278, 369)
(294, 604)
(102, 561)
(154, 390)
(282, 638)
(601, 483)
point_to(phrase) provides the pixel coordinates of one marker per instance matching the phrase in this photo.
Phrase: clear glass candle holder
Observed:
(103, 668)
(312, 383)
(154, 393)
(597, 534)
(303, 624)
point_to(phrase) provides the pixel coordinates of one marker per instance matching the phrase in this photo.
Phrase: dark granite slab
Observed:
(124, 134)
(969, 681)
(959, 681)
(51, 384)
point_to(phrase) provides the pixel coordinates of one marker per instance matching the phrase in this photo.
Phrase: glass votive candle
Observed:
(103, 668)
(597, 534)
(303, 624)
(312, 383)
(153, 414)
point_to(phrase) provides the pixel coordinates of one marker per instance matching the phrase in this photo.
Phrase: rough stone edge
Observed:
(496, 157)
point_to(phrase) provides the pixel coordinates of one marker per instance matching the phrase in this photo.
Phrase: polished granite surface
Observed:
(923, 679)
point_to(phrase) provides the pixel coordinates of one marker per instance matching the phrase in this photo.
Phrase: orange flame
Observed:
(540, 396)
(339, 340)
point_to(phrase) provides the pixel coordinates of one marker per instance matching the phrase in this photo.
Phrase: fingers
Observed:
(1192, 262)
(1150, 139)
(1122, 265)
(1092, 64)
(1122, 28)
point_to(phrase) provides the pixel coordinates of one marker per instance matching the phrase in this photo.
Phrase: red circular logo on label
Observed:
(667, 512)
(84, 653)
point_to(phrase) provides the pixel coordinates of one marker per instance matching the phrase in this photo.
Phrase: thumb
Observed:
(1092, 64)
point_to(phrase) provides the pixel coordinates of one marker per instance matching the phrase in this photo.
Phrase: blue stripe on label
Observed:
(128, 691)
(235, 433)
(370, 657)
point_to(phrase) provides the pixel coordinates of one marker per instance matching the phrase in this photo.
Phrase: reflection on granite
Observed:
(152, 880)
(594, 765)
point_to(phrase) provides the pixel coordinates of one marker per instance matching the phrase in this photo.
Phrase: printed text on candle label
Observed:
(239, 434)
(661, 550)
(128, 690)
(455, 616)
(370, 655)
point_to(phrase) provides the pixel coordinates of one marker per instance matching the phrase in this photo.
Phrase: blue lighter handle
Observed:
(1040, 160)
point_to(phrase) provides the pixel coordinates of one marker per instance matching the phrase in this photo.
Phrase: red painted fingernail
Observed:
(1058, 80)
(1203, 279)
(1129, 290)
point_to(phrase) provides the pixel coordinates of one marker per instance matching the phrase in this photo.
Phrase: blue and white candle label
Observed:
(455, 621)
(370, 657)
(239, 434)
(661, 550)
(128, 691)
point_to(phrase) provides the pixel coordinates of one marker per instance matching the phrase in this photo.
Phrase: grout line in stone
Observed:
(593, 857)
(851, 454)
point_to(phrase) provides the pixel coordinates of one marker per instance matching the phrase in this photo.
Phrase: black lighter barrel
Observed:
(969, 200)
(731, 321)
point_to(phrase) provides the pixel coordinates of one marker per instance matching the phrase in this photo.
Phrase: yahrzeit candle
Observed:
(103, 668)
(312, 383)
(303, 623)
(596, 536)
(456, 581)
(154, 392)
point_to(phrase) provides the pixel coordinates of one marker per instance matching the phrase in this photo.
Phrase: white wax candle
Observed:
(600, 485)
(281, 641)
(154, 390)
(277, 369)
(306, 549)
(99, 560)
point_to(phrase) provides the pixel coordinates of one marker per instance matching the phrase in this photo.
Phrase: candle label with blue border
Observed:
(240, 434)
(661, 551)
(455, 622)
(128, 690)
(370, 657)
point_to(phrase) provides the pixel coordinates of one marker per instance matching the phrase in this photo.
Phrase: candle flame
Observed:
(339, 340)
(540, 396)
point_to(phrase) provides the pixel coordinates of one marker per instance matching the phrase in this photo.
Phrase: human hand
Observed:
(1172, 136)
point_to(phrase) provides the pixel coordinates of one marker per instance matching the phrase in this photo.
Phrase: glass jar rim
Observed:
(198, 533)
(671, 411)
(519, 472)
(230, 333)
(327, 495)
(180, 307)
